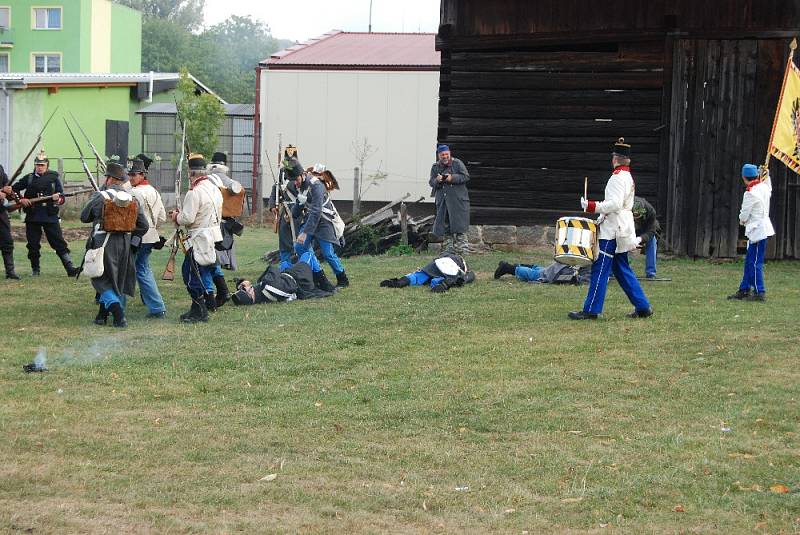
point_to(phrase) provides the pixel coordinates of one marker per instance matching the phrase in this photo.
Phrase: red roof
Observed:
(338, 50)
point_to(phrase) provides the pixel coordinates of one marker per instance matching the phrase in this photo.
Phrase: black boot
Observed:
(198, 312)
(68, 266)
(581, 315)
(341, 280)
(119, 315)
(740, 294)
(223, 295)
(504, 268)
(322, 282)
(8, 260)
(400, 282)
(35, 268)
(210, 302)
(102, 316)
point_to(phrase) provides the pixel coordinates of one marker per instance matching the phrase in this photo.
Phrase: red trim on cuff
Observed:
(592, 206)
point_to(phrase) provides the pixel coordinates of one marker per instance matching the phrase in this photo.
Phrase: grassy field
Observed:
(483, 410)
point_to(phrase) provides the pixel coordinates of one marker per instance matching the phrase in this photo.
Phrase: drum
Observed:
(576, 241)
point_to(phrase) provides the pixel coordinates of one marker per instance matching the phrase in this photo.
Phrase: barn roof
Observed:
(338, 50)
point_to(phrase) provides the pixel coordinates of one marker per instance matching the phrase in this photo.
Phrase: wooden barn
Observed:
(534, 93)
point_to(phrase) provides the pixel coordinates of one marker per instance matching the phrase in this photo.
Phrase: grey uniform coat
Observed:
(317, 211)
(119, 270)
(452, 199)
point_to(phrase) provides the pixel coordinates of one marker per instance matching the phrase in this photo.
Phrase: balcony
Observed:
(6, 37)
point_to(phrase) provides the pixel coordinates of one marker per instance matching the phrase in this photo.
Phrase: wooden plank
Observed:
(560, 160)
(552, 127)
(503, 96)
(540, 110)
(526, 80)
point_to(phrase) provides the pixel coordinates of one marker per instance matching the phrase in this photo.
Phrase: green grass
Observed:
(372, 408)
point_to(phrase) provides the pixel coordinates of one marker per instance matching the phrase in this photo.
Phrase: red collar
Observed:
(753, 183)
(196, 182)
(621, 168)
(143, 183)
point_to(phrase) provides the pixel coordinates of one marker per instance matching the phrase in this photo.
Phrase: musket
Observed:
(33, 148)
(100, 162)
(280, 202)
(89, 174)
(177, 238)
(36, 200)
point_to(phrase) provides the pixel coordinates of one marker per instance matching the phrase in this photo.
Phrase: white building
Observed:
(331, 93)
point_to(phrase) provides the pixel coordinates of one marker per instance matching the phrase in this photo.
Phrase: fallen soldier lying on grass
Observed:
(304, 280)
(555, 273)
(445, 272)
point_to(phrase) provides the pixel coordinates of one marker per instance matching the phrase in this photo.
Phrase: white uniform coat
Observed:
(153, 208)
(616, 219)
(201, 214)
(754, 215)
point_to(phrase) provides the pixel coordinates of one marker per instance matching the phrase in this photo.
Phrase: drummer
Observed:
(617, 236)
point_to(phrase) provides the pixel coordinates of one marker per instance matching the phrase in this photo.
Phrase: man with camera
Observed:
(448, 181)
(153, 208)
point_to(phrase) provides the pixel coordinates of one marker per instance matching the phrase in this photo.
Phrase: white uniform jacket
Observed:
(221, 180)
(754, 215)
(201, 214)
(150, 200)
(616, 219)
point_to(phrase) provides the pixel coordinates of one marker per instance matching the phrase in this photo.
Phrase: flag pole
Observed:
(792, 48)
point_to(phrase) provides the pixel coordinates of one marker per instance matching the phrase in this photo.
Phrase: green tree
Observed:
(188, 14)
(202, 113)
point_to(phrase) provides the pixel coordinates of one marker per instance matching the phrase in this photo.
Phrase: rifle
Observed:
(177, 238)
(33, 148)
(280, 200)
(100, 161)
(37, 200)
(89, 174)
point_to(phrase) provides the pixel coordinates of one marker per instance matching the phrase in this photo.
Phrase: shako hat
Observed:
(41, 158)
(146, 161)
(290, 152)
(116, 171)
(137, 166)
(749, 171)
(197, 162)
(621, 148)
(219, 157)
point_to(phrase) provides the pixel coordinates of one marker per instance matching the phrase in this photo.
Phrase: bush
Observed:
(400, 250)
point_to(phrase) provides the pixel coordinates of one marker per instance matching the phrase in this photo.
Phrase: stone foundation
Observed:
(507, 238)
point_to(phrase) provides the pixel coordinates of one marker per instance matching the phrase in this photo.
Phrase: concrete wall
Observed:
(325, 112)
(126, 39)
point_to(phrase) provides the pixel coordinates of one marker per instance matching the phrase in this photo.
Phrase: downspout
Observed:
(7, 148)
(150, 89)
(257, 204)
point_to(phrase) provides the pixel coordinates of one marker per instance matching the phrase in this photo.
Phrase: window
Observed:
(47, 63)
(5, 18)
(4, 63)
(47, 18)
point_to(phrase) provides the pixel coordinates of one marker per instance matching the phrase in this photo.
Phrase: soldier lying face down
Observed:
(443, 273)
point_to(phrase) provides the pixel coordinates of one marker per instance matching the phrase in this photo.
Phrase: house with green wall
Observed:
(69, 36)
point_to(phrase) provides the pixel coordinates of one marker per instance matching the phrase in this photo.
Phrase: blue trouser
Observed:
(418, 278)
(286, 260)
(607, 262)
(147, 282)
(208, 278)
(754, 267)
(109, 297)
(195, 286)
(327, 252)
(650, 251)
(528, 274)
(308, 258)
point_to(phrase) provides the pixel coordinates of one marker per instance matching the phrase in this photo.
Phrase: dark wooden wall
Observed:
(533, 95)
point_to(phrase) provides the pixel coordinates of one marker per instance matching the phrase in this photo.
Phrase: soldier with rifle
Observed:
(119, 224)
(284, 194)
(6, 240)
(43, 216)
(201, 214)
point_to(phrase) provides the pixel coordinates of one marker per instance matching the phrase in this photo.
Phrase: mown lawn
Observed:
(483, 410)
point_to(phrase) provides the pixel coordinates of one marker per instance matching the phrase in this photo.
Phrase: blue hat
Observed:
(749, 171)
(442, 148)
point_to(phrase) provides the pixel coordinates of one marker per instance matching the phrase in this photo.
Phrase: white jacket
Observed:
(201, 214)
(150, 200)
(223, 181)
(754, 215)
(616, 219)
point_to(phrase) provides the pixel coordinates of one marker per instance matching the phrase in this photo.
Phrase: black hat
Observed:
(41, 158)
(290, 152)
(144, 159)
(137, 166)
(197, 162)
(293, 168)
(219, 157)
(116, 171)
(621, 148)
